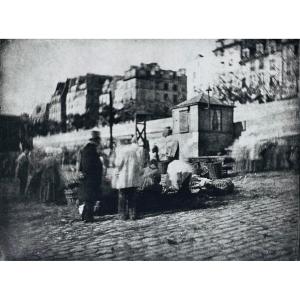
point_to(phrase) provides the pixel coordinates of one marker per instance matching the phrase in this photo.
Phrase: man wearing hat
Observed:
(91, 167)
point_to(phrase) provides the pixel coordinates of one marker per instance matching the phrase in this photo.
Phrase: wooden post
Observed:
(111, 121)
(208, 91)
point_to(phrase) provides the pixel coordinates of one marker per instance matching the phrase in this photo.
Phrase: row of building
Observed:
(265, 68)
(150, 88)
(245, 71)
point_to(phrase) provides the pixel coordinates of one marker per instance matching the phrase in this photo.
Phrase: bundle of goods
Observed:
(179, 173)
(198, 184)
(221, 186)
(217, 186)
(167, 188)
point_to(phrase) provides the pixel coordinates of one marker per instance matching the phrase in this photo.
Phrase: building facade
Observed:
(109, 88)
(151, 89)
(40, 113)
(263, 70)
(83, 96)
(57, 105)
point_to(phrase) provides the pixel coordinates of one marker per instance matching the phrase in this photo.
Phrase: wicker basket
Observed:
(71, 196)
(215, 170)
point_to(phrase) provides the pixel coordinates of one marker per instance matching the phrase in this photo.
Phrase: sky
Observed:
(31, 68)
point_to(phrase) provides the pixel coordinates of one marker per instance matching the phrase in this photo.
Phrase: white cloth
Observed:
(129, 167)
(178, 171)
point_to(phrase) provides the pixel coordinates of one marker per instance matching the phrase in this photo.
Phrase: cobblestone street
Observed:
(257, 222)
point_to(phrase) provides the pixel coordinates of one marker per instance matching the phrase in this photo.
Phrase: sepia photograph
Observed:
(149, 150)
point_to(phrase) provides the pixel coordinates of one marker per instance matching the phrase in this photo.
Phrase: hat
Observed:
(95, 135)
(167, 131)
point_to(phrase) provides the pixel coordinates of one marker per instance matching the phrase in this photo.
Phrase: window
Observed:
(259, 48)
(166, 86)
(252, 78)
(272, 47)
(261, 63)
(216, 120)
(246, 53)
(261, 78)
(291, 49)
(175, 99)
(273, 81)
(288, 68)
(272, 64)
(184, 121)
(174, 87)
(244, 124)
(166, 97)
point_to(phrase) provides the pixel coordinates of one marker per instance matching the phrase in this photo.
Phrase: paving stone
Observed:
(259, 228)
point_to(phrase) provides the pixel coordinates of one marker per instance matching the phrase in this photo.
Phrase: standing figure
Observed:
(50, 180)
(22, 170)
(169, 150)
(91, 167)
(128, 164)
(172, 146)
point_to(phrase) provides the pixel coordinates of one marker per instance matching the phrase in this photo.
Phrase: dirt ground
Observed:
(259, 221)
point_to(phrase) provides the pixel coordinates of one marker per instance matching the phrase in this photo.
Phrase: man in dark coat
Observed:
(50, 180)
(91, 167)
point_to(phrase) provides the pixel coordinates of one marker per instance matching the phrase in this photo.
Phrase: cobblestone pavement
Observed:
(257, 222)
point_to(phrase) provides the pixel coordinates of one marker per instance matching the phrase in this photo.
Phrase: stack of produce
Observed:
(198, 184)
(222, 186)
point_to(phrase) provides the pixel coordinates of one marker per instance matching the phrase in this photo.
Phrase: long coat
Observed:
(129, 167)
(50, 180)
(91, 167)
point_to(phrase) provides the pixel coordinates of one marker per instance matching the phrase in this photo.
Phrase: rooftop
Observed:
(202, 99)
